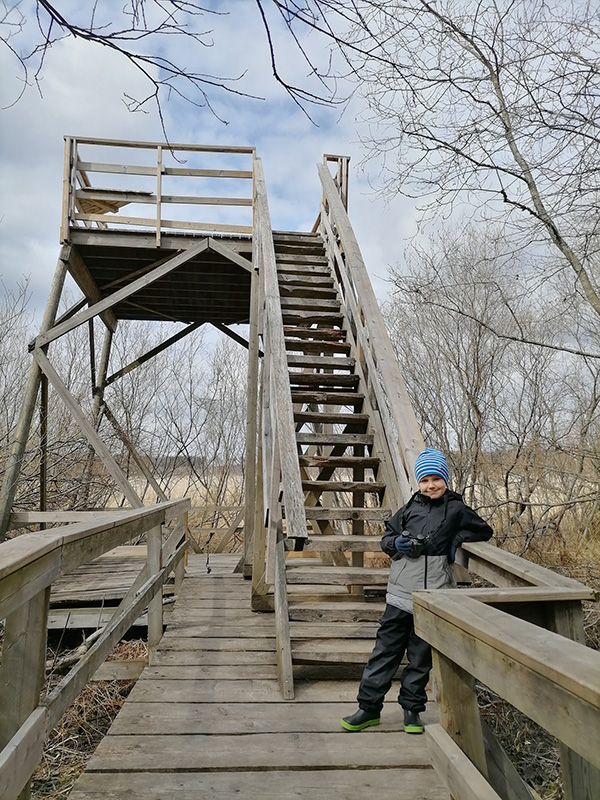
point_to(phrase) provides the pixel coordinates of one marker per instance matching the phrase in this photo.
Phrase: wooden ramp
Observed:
(207, 719)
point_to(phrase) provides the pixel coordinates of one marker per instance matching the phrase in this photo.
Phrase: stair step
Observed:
(351, 462)
(345, 630)
(309, 304)
(302, 259)
(327, 318)
(332, 651)
(307, 292)
(343, 544)
(340, 576)
(322, 379)
(303, 271)
(328, 398)
(323, 417)
(318, 348)
(348, 513)
(318, 334)
(315, 281)
(297, 239)
(336, 612)
(321, 362)
(357, 487)
(348, 439)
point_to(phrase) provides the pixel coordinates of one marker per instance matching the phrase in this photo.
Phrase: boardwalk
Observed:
(207, 718)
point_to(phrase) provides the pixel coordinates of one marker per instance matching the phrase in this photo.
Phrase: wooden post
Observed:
(155, 606)
(22, 670)
(459, 712)
(285, 671)
(19, 442)
(159, 171)
(43, 445)
(251, 424)
(581, 780)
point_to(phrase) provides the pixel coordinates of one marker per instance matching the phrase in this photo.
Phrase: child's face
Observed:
(432, 486)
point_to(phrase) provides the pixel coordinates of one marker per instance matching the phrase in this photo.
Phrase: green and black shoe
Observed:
(412, 722)
(360, 720)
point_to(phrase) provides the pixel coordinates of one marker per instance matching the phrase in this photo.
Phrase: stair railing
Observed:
(281, 479)
(30, 563)
(377, 361)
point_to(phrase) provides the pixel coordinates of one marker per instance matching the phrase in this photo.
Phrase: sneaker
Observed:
(360, 719)
(412, 722)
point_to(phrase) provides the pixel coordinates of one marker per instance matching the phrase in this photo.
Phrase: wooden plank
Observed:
(267, 751)
(129, 670)
(348, 512)
(459, 774)
(20, 757)
(231, 718)
(209, 672)
(199, 657)
(459, 710)
(337, 575)
(381, 782)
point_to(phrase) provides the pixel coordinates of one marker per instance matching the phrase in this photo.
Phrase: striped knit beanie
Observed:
(431, 462)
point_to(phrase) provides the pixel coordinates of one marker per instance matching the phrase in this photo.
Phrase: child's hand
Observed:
(403, 545)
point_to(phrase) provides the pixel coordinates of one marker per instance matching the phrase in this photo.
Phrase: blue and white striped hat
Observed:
(431, 462)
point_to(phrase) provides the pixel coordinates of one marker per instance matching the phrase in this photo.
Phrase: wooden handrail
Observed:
(29, 564)
(377, 360)
(550, 678)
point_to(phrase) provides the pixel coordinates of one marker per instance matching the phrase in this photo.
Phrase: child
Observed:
(421, 538)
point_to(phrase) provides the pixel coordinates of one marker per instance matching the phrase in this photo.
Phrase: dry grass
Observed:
(72, 743)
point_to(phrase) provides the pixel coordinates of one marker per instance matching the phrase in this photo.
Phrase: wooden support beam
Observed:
(160, 493)
(121, 294)
(153, 352)
(230, 254)
(82, 277)
(19, 438)
(88, 429)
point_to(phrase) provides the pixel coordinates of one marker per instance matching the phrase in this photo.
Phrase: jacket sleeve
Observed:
(393, 528)
(472, 528)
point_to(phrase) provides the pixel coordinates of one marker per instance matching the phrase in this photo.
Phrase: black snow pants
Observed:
(396, 636)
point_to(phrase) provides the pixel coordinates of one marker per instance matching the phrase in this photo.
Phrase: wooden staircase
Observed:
(335, 593)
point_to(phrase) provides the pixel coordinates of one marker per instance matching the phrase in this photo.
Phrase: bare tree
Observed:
(519, 422)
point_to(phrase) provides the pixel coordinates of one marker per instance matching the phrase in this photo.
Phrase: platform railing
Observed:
(29, 564)
(99, 183)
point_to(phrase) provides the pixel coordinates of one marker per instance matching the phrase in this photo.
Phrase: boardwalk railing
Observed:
(29, 564)
(518, 643)
(98, 183)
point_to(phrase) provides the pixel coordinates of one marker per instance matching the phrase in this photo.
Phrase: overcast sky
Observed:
(83, 87)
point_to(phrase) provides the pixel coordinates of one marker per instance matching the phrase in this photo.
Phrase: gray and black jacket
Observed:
(446, 523)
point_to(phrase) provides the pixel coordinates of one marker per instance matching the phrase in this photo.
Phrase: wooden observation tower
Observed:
(181, 234)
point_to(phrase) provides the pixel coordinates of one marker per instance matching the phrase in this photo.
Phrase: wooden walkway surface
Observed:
(207, 719)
